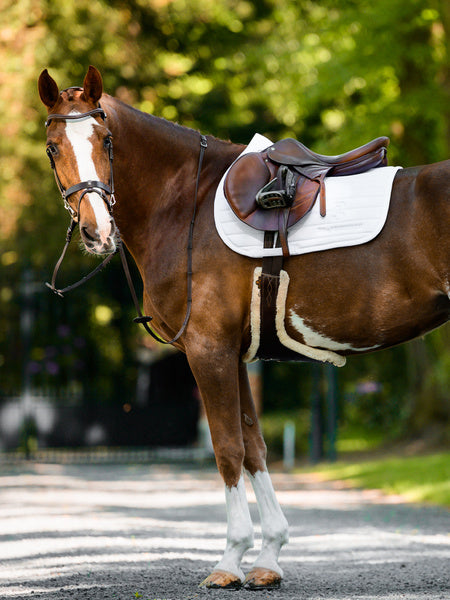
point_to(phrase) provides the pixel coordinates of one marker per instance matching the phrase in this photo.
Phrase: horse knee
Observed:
(255, 451)
(229, 462)
(255, 458)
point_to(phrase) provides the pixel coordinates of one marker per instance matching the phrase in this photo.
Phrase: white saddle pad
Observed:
(357, 207)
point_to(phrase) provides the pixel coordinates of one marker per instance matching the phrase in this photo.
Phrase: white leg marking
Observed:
(273, 523)
(317, 340)
(78, 134)
(240, 530)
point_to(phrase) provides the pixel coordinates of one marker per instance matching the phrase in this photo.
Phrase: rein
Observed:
(106, 192)
(143, 319)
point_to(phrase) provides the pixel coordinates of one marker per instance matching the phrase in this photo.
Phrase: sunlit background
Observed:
(334, 74)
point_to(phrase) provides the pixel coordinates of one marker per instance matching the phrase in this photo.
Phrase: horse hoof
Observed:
(222, 580)
(262, 579)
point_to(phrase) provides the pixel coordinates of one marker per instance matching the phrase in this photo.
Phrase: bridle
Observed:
(106, 192)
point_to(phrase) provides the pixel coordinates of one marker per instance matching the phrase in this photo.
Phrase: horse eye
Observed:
(52, 149)
(107, 142)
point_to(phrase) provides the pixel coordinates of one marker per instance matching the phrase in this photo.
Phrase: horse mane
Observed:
(173, 128)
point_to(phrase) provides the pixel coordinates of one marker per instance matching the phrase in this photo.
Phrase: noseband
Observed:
(106, 192)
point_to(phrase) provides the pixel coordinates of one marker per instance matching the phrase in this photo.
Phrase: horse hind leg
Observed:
(266, 572)
(214, 372)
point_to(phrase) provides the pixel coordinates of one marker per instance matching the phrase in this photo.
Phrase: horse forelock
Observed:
(70, 99)
(70, 93)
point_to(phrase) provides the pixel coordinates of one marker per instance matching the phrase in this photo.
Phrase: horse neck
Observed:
(155, 170)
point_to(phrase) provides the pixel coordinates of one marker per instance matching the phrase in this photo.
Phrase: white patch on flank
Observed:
(78, 133)
(447, 289)
(317, 340)
(239, 531)
(273, 523)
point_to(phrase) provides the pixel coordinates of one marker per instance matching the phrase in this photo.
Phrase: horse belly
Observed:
(360, 312)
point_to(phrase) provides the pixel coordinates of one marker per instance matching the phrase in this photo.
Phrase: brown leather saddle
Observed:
(273, 189)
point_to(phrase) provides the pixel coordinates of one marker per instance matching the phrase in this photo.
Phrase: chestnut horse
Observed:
(352, 300)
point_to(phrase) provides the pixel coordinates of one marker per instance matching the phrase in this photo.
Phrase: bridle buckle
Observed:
(72, 211)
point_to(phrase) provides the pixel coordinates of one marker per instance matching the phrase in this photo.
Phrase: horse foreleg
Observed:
(227, 572)
(266, 572)
(217, 379)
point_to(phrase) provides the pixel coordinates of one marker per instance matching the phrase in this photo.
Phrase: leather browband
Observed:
(56, 116)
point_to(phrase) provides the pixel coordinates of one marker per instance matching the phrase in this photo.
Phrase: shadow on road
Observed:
(102, 532)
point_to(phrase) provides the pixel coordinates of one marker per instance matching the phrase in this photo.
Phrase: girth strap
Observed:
(269, 283)
(270, 345)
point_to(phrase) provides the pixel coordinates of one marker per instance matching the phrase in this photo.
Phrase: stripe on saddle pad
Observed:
(357, 207)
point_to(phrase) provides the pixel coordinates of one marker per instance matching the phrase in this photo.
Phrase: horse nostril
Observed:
(87, 235)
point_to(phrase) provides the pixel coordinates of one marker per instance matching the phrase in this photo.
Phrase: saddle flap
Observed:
(245, 179)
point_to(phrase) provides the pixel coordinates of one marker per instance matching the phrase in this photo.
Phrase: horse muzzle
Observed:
(99, 240)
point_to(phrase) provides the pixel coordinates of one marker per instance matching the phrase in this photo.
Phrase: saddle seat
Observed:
(294, 153)
(273, 189)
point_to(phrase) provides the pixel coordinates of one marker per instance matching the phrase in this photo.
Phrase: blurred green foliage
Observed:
(417, 478)
(273, 426)
(333, 74)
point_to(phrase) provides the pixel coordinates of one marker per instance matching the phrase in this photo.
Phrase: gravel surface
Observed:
(154, 532)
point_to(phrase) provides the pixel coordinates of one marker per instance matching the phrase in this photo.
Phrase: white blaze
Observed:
(78, 133)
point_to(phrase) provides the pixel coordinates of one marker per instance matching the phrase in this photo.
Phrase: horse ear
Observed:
(48, 89)
(92, 86)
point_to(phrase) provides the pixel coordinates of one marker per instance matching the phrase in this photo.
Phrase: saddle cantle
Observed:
(273, 189)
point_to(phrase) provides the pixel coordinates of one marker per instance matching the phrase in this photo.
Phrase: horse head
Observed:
(79, 146)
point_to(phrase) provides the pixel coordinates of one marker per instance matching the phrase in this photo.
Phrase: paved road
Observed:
(154, 532)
